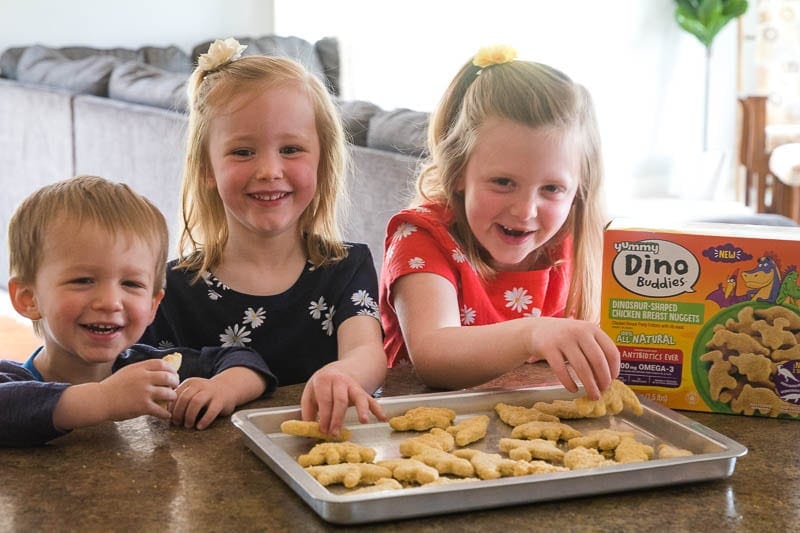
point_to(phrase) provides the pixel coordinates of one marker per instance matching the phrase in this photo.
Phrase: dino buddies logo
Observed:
(655, 268)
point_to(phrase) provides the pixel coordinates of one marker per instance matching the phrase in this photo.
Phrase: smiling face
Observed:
(264, 153)
(93, 293)
(518, 185)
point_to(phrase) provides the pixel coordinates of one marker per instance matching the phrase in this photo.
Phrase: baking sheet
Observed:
(715, 457)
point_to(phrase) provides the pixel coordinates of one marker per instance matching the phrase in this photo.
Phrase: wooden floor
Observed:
(17, 340)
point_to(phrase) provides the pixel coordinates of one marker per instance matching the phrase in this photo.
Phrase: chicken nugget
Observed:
(423, 418)
(332, 453)
(515, 415)
(310, 429)
(470, 430)
(547, 430)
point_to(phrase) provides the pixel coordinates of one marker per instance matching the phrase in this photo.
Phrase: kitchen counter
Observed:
(145, 475)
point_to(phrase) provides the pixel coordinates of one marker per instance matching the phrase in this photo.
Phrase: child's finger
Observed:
(340, 394)
(208, 414)
(377, 410)
(308, 403)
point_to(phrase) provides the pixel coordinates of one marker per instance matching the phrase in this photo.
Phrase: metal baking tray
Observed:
(715, 457)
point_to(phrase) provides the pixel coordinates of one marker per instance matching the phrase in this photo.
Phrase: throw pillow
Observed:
(145, 84)
(327, 50)
(294, 48)
(169, 58)
(356, 115)
(400, 130)
(8, 62)
(46, 66)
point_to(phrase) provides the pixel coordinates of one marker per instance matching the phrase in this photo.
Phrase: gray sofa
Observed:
(120, 114)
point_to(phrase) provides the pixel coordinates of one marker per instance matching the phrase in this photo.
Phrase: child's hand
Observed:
(328, 394)
(590, 352)
(200, 401)
(143, 388)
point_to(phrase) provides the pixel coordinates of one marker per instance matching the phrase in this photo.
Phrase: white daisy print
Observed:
(362, 298)
(254, 318)
(165, 344)
(235, 335)
(458, 255)
(369, 312)
(206, 276)
(390, 251)
(404, 230)
(316, 309)
(535, 312)
(416, 263)
(420, 209)
(327, 323)
(214, 295)
(467, 315)
(518, 299)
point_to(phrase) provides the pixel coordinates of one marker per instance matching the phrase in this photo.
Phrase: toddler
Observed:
(87, 263)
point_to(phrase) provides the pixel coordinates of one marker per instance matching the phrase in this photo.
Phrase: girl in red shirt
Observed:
(504, 235)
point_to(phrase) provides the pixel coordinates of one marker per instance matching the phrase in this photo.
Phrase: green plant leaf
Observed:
(705, 18)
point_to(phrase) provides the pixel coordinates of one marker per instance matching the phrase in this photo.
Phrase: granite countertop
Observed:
(143, 474)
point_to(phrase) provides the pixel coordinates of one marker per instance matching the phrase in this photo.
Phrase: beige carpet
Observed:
(17, 340)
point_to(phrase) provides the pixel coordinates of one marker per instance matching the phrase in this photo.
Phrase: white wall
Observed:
(130, 23)
(645, 73)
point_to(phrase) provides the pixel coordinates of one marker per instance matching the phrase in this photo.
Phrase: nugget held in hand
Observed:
(310, 429)
(349, 474)
(470, 430)
(613, 400)
(174, 360)
(423, 418)
(333, 453)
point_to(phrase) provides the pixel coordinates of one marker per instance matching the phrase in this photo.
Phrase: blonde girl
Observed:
(261, 262)
(496, 263)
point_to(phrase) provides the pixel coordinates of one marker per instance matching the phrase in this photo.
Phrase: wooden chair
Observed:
(762, 189)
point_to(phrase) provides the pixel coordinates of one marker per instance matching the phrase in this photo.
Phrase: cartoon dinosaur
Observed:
(789, 289)
(725, 294)
(764, 280)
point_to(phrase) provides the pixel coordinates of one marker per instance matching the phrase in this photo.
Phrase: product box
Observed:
(706, 316)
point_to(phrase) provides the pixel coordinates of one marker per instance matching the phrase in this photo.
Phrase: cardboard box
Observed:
(706, 316)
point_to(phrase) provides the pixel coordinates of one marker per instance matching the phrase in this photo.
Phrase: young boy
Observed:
(87, 262)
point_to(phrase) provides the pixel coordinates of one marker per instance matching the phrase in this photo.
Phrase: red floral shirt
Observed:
(417, 240)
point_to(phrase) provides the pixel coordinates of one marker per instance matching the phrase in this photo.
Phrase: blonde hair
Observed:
(205, 230)
(113, 207)
(537, 96)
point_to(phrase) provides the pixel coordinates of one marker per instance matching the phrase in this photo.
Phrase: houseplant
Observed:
(704, 19)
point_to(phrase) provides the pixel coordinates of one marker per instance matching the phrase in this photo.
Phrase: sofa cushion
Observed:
(169, 58)
(8, 62)
(82, 52)
(327, 50)
(295, 48)
(356, 115)
(400, 130)
(145, 84)
(47, 66)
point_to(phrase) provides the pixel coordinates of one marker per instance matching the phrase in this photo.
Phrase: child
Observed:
(505, 235)
(87, 263)
(261, 261)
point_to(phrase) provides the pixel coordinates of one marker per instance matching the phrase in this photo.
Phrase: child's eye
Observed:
(502, 182)
(553, 189)
(289, 150)
(133, 284)
(81, 281)
(243, 152)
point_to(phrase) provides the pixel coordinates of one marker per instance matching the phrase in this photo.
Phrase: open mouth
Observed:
(102, 329)
(514, 232)
(271, 197)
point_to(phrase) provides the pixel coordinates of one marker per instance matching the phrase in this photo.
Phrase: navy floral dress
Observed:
(295, 332)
